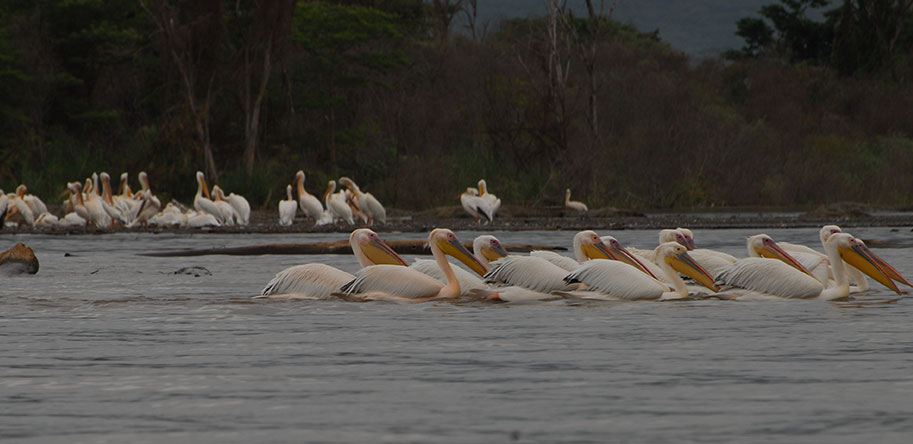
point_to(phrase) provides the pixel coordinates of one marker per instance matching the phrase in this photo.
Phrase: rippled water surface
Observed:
(108, 346)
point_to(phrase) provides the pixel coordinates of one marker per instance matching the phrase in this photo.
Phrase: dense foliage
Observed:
(390, 93)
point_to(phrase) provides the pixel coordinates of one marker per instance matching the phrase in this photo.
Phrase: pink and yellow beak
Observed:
(859, 256)
(887, 268)
(457, 250)
(773, 251)
(380, 253)
(494, 253)
(616, 252)
(685, 264)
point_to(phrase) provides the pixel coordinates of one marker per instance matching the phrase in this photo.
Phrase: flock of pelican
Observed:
(601, 269)
(343, 206)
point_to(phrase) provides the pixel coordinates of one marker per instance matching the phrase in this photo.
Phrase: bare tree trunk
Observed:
(252, 128)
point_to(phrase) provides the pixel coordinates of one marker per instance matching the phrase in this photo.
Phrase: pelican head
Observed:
(20, 190)
(201, 181)
(854, 252)
(331, 187)
(489, 248)
(368, 243)
(588, 245)
(887, 268)
(827, 231)
(619, 253)
(144, 181)
(675, 235)
(348, 183)
(762, 245)
(217, 193)
(448, 243)
(299, 176)
(676, 256)
(689, 237)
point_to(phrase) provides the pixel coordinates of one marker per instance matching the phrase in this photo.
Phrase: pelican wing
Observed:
(770, 276)
(287, 209)
(468, 281)
(393, 280)
(310, 206)
(476, 206)
(557, 259)
(712, 261)
(816, 264)
(617, 279)
(372, 207)
(317, 281)
(529, 272)
(242, 207)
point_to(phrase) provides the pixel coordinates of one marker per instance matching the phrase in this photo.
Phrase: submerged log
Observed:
(19, 259)
(341, 247)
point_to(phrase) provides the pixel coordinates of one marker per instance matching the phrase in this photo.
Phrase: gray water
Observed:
(109, 346)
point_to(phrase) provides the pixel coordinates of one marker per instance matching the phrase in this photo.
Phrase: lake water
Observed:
(109, 346)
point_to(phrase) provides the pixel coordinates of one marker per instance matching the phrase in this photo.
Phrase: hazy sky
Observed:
(699, 27)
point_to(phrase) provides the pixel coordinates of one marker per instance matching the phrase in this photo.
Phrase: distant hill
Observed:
(698, 27)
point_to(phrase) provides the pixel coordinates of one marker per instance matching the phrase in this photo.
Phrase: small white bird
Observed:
(577, 206)
(287, 208)
(309, 204)
(475, 205)
(494, 204)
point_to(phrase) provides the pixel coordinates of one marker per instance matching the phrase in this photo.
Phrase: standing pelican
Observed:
(287, 208)
(202, 202)
(494, 204)
(241, 207)
(319, 281)
(18, 209)
(475, 205)
(309, 204)
(577, 206)
(614, 279)
(367, 203)
(229, 215)
(154, 204)
(124, 187)
(336, 204)
(4, 208)
(764, 277)
(408, 285)
(35, 204)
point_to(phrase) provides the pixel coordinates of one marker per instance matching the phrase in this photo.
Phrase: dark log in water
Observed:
(341, 247)
(19, 259)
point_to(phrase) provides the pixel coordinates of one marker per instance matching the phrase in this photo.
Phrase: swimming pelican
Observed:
(475, 205)
(577, 206)
(713, 261)
(752, 277)
(485, 248)
(287, 208)
(618, 280)
(409, 285)
(202, 202)
(319, 281)
(336, 204)
(309, 204)
(367, 203)
(494, 204)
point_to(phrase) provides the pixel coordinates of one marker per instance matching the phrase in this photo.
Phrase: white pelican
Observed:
(287, 208)
(408, 285)
(367, 203)
(228, 214)
(319, 281)
(154, 205)
(751, 277)
(170, 216)
(618, 280)
(202, 202)
(485, 248)
(37, 206)
(309, 204)
(89, 206)
(72, 220)
(196, 219)
(336, 204)
(19, 209)
(493, 202)
(577, 206)
(352, 202)
(713, 261)
(147, 210)
(107, 201)
(240, 205)
(124, 190)
(46, 220)
(4, 207)
(475, 205)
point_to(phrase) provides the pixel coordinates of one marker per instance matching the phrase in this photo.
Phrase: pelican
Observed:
(170, 216)
(4, 208)
(202, 202)
(240, 205)
(577, 206)
(46, 220)
(618, 280)
(352, 202)
(310, 205)
(367, 203)
(35, 204)
(146, 211)
(124, 190)
(107, 201)
(319, 281)
(493, 202)
(196, 219)
(336, 204)
(409, 285)
(229, 215)
(287, 208)
(89, 206)
(752, 277)
(72, 220)
(475, 205)
(713, 261)
(17, 207)
(154, 204)
(485, 248)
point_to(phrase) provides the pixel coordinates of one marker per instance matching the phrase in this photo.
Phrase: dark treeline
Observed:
(404, 98)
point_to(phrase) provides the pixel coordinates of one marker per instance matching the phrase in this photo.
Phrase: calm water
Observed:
(109, 346)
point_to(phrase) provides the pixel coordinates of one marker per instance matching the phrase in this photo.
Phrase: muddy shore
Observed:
(266, 221)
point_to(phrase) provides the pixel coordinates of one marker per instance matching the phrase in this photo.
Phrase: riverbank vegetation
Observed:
(417, 100)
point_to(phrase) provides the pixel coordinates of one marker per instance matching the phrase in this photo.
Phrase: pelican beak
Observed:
(888, 269)
(205, 189)
(621, 254)
(457, 250)
(775, 252)
(685, 264)
(494, 253)
(381, 253)
(689, 243)
(859, 257)
(598, 251)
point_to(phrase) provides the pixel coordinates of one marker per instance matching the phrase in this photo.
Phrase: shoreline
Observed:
(266, 222)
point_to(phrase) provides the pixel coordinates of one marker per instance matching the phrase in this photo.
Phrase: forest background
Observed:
(417, 100)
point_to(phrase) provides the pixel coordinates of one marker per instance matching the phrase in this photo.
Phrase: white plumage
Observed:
(475, 205)
(577, 206)
(309, 204)
(287, 208)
